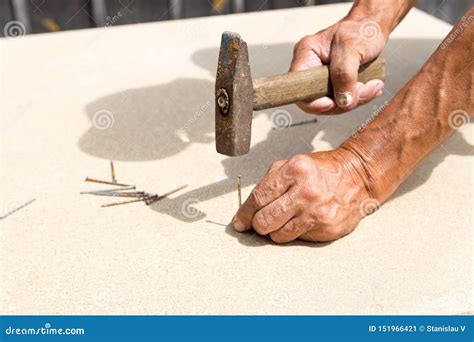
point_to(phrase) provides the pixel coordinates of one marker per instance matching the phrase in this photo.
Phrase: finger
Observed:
(320, 235)
(325, 105)
(319, 106)
(274, 216)
(344, 66)
(368, 91)
(269, 189)
(292, 230)
(276, 165)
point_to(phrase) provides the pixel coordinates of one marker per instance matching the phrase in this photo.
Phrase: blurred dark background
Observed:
(38, 16)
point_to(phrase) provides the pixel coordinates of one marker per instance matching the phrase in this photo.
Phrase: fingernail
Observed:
(328, 107)
(378, 88)
(238, 225)
(377, 94)
(344, 99)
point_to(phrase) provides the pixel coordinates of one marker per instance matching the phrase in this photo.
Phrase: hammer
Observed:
(237, 96)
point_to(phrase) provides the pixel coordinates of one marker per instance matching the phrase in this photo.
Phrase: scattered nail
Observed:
(17, 208)
(216, 223)
(132, 194)
(119, 194)
(108, 191)
(104, 182)
(148, 198)
(173, 191)
(155, 198)
(139, 196)
(126, 202)
(152, 199)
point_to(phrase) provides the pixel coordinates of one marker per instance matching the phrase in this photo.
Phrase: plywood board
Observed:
(64, 254)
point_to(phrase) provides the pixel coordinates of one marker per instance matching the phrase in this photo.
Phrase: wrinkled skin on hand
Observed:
(356, 39)
(322, 196)
(343, 46)
(314, 197)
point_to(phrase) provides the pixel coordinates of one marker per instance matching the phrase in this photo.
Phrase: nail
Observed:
(239, 192)
(112, 171)
(17, 209)
(104, 182)
(216, 223)
(108, 191)
(238, 225)
(377, 94)
(344, 99)
(117, 193)
(126, 202)
(173, 191)
(152, 199)
(156, 198)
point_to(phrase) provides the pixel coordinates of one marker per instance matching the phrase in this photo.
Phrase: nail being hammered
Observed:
(239, 192)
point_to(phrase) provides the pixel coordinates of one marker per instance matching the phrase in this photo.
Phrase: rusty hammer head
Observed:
(234, 96)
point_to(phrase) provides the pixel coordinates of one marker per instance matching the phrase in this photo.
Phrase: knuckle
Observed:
(328, 215)
(310, 193)
(279, 238)
(344, 34)
(303, 42)
(296, 48)
(258, 197)
(342, 73)
(319, 213)
(306, 40)
(290, 228)
(301, 164)
(260, 223)
(316, 214)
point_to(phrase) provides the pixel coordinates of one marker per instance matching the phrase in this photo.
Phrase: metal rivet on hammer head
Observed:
(223, 101)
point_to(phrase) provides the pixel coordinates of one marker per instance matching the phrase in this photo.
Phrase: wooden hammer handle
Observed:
(305, 85)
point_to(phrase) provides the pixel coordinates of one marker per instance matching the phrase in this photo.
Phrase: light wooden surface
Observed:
(64, 254)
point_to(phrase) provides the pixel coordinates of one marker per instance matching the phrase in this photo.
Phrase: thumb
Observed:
(343, 69)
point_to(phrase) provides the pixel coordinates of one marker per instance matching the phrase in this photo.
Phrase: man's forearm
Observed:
(387, 13)
(421, 115)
